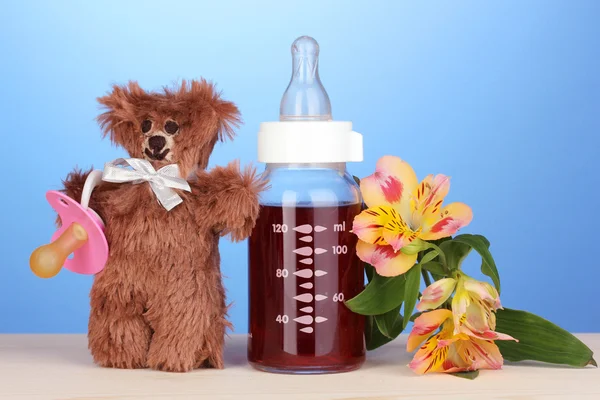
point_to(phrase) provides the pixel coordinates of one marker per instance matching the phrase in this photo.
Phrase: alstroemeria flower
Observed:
(446, 351)
(474, 306)
(436, 294)
(400, 210)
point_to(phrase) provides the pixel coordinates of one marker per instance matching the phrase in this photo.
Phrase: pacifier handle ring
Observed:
(94, 178)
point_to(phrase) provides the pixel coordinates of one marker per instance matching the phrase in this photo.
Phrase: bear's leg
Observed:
(178, 333)
(118, 334)
(211, 355)
(189, 324)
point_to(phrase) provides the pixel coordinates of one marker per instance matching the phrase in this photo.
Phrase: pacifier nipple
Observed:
(47, 261)
(305, 98)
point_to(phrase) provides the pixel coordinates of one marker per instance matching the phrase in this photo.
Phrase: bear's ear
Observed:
(120, 106)
(228, 117)
(202, 95)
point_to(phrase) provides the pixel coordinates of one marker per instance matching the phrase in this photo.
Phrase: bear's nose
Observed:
(156, 143)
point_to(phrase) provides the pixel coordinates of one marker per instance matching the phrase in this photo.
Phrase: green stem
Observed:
(426, 277)
(442, 258)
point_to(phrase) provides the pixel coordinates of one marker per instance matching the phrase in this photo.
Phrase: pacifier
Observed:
(81, 234)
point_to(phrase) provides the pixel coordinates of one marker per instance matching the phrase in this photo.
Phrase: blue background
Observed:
(502, 96)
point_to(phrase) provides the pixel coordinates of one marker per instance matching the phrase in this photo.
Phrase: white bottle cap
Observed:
(306, 132)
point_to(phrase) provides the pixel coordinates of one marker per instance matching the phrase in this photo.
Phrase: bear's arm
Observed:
(229, 199)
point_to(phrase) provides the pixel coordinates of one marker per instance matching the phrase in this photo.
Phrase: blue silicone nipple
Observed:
(305, 98)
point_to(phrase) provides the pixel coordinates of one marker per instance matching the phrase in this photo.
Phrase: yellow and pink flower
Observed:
(473, 307)
(400, 211)
(446, 351)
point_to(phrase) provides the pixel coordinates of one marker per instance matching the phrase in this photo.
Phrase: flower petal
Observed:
(485, 335)
(451, 218)
(436, 294)
(424, 325)
(484, 291)
(429, 358)
(386, 261)
(483, 354)
(368, 225)
(392, 184)
(460, 303)
(428, 197)
(397, 233)
(476, 317)
(424, 358)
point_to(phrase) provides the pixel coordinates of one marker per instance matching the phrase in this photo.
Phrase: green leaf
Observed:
(539, 340)
(455, 252)
(481, 244)
(466, 374)
(436, 268)
(391, 323)
(429, 256)
(381, 295)
(411, 291)
(373, 337)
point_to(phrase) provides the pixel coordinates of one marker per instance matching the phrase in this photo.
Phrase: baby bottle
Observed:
(302, 259)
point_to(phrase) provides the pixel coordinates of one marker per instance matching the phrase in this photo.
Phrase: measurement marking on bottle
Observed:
(339, 227)
(307, 252)
(304, 273)
(305, 298)
(304, 320)
(282, 273)
(339, 249)
(306, 229)
(338, 297)
(282, 319)
(280, 228)
(304, 251)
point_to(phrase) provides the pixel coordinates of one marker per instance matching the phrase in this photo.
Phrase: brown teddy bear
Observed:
(159, 302)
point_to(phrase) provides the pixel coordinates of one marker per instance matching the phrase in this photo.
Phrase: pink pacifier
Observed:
(81, 234)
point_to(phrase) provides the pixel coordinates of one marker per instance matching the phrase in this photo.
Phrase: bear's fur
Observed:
(159, 302)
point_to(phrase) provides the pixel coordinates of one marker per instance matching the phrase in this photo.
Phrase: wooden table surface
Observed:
(60, 367)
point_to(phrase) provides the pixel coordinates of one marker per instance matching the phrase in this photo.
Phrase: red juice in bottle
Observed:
(303, 266)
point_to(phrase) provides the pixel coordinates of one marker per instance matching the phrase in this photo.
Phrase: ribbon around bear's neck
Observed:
(161, 181)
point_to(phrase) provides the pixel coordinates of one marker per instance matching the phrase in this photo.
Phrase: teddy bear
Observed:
(159, 302)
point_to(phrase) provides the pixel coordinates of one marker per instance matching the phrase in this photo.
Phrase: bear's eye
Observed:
(171, 127)
(146, 126)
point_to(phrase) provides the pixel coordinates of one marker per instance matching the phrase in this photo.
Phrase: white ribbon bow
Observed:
(161, 181)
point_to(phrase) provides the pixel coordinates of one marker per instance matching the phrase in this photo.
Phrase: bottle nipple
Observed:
(47, 261)
(305, 98)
